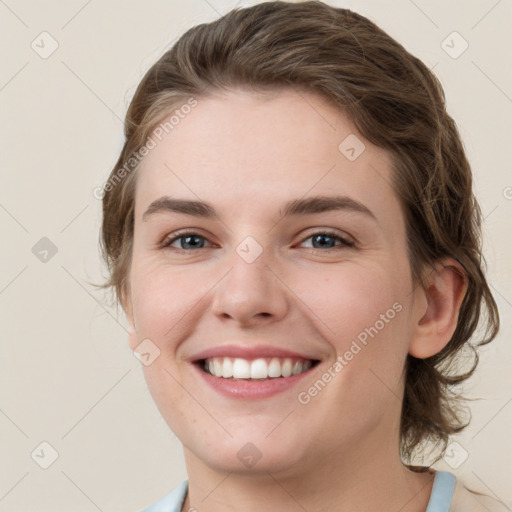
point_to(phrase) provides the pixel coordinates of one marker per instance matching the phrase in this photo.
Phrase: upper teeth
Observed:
(237, 368)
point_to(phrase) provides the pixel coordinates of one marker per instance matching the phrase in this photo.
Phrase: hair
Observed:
(395, 102)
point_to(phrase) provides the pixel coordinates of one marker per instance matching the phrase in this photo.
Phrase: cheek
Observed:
(362, 311)
(351, 298)
(162, 298)
(163, 301)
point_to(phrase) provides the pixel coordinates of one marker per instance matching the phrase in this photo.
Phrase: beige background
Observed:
(68, 377)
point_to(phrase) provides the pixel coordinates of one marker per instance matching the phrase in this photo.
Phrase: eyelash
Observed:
(167, 242)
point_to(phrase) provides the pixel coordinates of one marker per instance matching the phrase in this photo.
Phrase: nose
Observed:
(251, 293)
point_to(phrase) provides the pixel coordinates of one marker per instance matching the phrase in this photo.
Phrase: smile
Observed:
(257, 369)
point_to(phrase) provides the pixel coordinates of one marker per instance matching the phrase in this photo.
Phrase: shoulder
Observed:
(467, 500)
(171, 502)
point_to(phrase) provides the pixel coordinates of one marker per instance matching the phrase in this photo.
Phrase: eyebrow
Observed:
(296, 207)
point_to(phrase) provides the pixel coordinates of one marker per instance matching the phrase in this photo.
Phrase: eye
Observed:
(321, 240)
(326, 240)
(188, 241)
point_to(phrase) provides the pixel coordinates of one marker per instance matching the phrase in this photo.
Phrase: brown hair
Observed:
(394, 101)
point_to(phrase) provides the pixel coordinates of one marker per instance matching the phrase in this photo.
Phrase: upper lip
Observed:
(245, 352)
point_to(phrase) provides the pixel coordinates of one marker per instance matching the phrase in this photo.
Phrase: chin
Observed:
(250, 453)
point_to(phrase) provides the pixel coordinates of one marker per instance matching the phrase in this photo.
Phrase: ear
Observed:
(436, 309)
(126, 304)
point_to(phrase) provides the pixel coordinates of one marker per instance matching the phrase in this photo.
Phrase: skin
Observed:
(248, 154)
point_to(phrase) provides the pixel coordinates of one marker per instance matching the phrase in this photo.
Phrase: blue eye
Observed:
(325, 241)
(189, 240)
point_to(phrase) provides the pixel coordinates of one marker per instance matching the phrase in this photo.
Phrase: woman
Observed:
(291, 231)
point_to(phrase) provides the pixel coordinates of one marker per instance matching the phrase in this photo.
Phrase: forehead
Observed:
(257, 151)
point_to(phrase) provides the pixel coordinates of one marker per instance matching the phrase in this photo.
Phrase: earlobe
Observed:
(131, 327)
(443, 294)
(132, 334)
(128, 311)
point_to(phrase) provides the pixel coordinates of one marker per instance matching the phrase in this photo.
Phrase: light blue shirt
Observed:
(440, 497)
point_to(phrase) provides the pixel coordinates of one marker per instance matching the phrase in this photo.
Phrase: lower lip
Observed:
(251, 389)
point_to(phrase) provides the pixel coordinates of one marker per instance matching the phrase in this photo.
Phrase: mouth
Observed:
(262, 368)
(252, 373)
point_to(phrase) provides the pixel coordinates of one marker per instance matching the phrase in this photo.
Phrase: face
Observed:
(308, 302)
